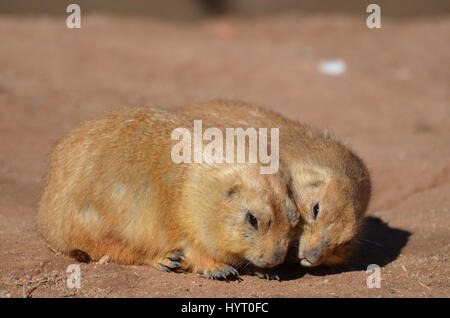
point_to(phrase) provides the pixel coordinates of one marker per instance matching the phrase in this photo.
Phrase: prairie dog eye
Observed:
(316, 210)
(348, 243)
(252, 220)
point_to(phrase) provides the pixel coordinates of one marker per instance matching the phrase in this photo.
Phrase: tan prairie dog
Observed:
(330, 184)
(113, 189)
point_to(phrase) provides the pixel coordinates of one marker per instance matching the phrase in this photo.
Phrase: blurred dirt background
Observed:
(391, 106)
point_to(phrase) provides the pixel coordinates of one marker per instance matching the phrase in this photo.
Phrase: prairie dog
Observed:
(330, 184)
(113, 189)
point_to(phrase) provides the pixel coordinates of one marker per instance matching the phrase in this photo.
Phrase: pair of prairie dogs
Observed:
(113, 189)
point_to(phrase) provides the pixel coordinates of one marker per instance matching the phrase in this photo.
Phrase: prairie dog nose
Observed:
(279, 255)
(277, 258)
(310, 257)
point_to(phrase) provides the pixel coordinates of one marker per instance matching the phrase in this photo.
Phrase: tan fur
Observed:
(113, 189)
(317, 168)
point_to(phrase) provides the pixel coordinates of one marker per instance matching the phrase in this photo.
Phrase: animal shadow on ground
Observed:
(379, 244)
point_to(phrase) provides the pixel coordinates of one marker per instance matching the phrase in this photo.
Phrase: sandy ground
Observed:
(391, 106)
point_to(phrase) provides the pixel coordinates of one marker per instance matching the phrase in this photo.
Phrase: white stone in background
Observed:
(333, 67)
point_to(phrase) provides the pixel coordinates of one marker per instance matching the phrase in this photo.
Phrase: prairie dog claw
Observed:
(223, 272)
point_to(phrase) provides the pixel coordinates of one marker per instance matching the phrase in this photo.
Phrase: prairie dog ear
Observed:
(315, 177)
(233, 190)
(291, 210)
(307, 182)
(230, 179)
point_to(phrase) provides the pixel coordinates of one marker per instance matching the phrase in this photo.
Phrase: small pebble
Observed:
(104, 260)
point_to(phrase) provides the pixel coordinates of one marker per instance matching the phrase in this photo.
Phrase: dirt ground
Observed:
(391, 106)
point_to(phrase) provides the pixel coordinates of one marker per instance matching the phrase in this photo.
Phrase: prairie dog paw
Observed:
(170, 263)
(267, 275)
(221, 272)
(262, 273)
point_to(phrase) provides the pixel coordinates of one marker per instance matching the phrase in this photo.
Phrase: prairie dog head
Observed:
(332, 207)
(241, 215)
